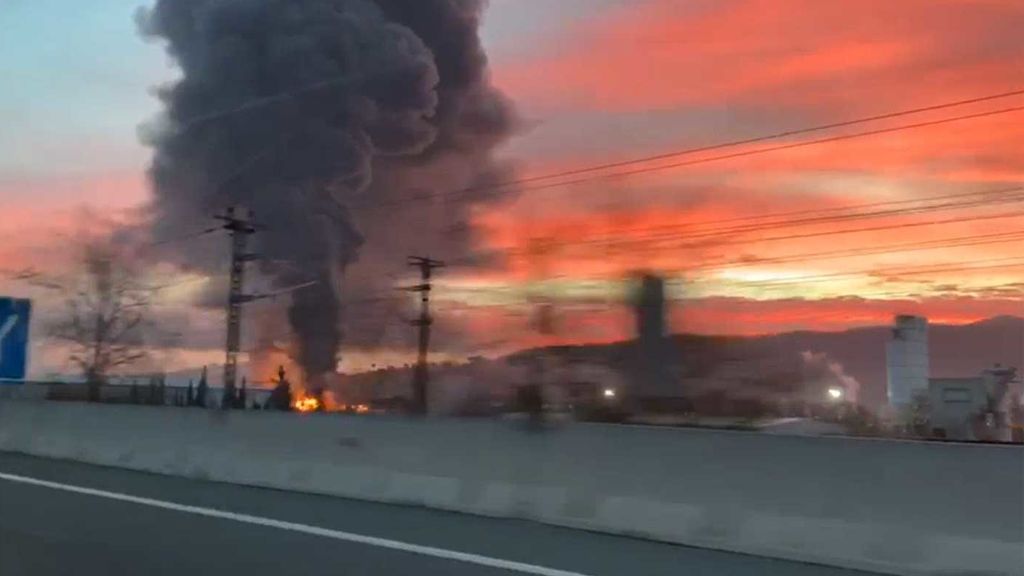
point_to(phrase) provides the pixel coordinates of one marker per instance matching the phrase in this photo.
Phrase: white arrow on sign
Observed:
(9, 324)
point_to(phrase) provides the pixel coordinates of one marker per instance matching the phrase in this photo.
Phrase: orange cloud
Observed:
(785, 64)
(42, 215)
(659, 54)
(735, 229)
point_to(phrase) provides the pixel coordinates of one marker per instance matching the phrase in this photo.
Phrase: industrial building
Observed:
(984, 407)
(652, 380)
(906, 362)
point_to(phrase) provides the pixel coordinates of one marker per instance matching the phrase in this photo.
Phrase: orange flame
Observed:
(306, 404)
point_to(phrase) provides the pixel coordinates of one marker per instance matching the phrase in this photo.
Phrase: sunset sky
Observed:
(901, 217)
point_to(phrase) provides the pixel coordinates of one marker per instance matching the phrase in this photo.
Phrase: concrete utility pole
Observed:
(240, 228)
(420, 375)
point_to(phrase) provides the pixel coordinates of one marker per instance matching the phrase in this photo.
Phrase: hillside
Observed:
(956, 350)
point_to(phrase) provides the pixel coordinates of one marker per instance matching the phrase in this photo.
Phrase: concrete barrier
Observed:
(888, 506)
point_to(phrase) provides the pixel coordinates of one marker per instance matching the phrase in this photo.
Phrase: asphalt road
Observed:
(60, 518)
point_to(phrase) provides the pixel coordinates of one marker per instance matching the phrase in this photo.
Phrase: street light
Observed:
(835, 393)
(609, 393)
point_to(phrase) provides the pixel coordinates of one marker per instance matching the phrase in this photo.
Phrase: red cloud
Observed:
(44, 214)
(659, 54)
(797, 63)
(720, 231)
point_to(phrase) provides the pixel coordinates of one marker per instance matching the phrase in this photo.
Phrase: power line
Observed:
(1016, 289)
(726, 242)
(757, 139)
(927, 245)
(182, 238)
(888, 227)
(220, 186)
(824, 220)
(312, 87)
(814, 211)
(662, 233)
(963, 241)
(840, 209)
(255, 103)
(779, 148)
(982, 240)
(177, 283)
(1013, 261)
(732, 155)
(932, 245)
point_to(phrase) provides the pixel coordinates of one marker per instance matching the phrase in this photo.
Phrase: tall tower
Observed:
(650, 309)
(651, 377)
(906, 360)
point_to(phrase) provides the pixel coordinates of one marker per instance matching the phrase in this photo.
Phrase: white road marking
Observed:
(295, 527)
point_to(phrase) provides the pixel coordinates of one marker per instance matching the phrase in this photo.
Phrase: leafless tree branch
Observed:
(105, 315)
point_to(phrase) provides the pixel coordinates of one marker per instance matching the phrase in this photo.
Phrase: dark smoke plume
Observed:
(382, 97)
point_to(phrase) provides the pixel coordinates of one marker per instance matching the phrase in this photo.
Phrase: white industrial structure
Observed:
(906, 361)
(985, 407)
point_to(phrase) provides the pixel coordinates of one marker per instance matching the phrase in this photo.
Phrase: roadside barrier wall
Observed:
(889, 506)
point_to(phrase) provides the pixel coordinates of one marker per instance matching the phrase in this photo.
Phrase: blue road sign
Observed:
(14, 317)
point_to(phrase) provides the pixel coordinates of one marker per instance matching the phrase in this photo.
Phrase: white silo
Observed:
(906, 360)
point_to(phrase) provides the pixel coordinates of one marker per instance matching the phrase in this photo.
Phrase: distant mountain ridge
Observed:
(955, 350)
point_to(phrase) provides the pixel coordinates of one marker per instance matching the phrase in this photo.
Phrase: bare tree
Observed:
(105, 316)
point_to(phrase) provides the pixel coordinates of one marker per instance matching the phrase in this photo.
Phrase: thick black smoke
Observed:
(384, 97)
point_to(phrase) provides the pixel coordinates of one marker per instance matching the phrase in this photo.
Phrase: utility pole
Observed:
(240, 228)
(421, 376)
